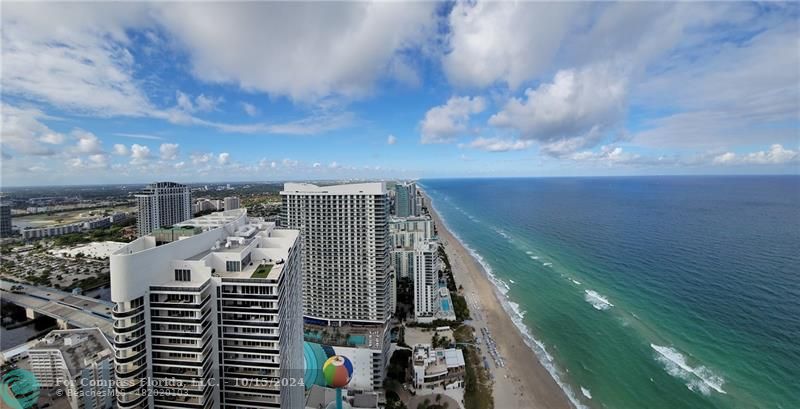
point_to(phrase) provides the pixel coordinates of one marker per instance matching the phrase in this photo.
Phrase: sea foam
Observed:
(598, 301)
(699, 378)
(586, 392)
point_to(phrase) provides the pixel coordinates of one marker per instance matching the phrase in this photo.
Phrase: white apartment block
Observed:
(81, 361)
(346, 267)
(231, 202)
(406, 232)
(216, 309)
(347, 279)
(162, 204)
(426, 279)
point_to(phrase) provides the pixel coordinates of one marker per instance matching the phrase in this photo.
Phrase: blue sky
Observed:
(136, 92)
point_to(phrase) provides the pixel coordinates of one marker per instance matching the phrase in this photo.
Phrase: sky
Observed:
(210, 92)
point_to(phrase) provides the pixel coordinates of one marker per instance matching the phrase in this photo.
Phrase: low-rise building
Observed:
(437, 367)
(79, 360)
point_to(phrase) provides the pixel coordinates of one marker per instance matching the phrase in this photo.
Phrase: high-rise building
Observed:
(426, 279)
(345, 230)
(405, 199)
(162, 204)
(5, 220)
(209, 318)
(346, 267)
(79, 360)
(231, 202)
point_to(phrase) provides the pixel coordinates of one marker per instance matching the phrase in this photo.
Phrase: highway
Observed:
(73, 310)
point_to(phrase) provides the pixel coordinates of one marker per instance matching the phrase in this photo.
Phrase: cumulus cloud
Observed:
(444, 123)
(508, 42)
(23, 131)
(571, 112)
(168, 151)
(201, 103)
(498, 144)
(391, 140)
(139, 154)
(201, 158)
(249, 109)
(224, 158)
(120, 149)
(87, 142)
(316, 165)
(179, 165)
(775, 155)
(337, 49)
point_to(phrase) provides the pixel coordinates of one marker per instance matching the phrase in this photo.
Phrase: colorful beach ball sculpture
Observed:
(337, 371)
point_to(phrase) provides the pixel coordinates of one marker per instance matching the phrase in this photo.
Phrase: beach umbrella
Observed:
(337, 371)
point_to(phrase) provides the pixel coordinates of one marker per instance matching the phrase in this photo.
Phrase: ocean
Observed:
(645, 292)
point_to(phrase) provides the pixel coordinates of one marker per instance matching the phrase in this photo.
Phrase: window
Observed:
(233, 266)
(183, 275)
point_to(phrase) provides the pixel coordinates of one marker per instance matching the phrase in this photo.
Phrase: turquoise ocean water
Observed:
(646, 292)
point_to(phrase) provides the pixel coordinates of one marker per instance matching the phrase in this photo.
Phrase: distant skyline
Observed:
(105, 93)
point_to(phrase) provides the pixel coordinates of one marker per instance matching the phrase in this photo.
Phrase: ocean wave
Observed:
(598, 301)
(534, 257)
(586, 392)
(529, 252)
(534, 344)
(699, 378)
(575, 281)
(547, 264)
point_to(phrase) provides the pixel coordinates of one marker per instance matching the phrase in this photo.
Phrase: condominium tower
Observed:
(207, 315)
(426, 278)
(79, 360)
(162, 204)
(345, 229)
(5, 220)
(405, 199)
(346, 272)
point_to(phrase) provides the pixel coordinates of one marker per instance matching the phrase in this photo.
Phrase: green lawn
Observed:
(262, 271)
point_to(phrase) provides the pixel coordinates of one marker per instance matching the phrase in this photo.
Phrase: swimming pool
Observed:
(445, 305)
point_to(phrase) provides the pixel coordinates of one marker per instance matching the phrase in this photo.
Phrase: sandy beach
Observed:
(523, 382)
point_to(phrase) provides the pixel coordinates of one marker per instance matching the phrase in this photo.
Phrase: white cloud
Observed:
(776, 155)
(139, 154)
(499, 144)
(445, 122)
(249, 109)
(316, 165)
(73, 57)
(169, 151)
(120, 149)
(138, 136)
(391, 140)
(52, 138)
(87, 142)
(99, 160)
(504, 41)
(569, 113)
(301, 50)
(201, 103)
(179, 165)
(201, 158)
(334, 165)
(23, 131)
(224, 158)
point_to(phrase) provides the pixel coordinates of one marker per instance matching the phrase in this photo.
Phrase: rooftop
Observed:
(79, 347)
(372, 188)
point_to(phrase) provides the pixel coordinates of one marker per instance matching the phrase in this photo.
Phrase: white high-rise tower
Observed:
(162, 204)
(347, 298)
(207, 315)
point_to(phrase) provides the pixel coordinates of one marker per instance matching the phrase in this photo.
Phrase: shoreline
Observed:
(523, 382)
